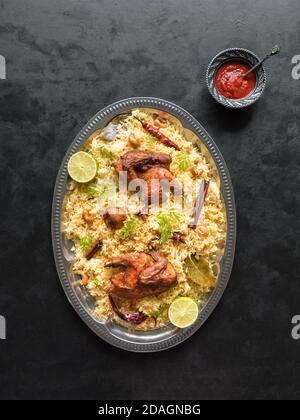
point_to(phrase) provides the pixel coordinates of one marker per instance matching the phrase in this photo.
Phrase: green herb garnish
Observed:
(105, 192)
(165, 227)
(130, 226)
(183, 160)
(166, 221)
(174, 216)
(97, 282)
(275, 50)
(92, 190)
(106, 195)
(85, 243)
(106, 154)
(158, 312)
(150, 141)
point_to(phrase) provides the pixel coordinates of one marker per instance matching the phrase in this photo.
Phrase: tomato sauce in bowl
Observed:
(230, 82)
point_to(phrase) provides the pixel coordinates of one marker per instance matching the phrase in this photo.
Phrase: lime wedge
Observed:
(82, 167)
(183, 312)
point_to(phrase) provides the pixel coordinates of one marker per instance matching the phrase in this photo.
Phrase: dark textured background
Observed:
(66, 59)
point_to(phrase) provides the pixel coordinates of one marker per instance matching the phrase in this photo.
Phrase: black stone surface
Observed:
(66, 59)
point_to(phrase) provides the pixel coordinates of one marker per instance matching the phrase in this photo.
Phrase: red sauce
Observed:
(230, 82)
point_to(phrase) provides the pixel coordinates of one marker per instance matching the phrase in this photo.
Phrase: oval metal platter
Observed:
(82, 302)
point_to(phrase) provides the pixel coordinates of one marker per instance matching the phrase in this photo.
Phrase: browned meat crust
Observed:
(144, 275)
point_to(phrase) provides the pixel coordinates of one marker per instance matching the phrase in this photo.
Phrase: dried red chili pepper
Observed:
(157, 134)
(98, 245)
(201, 196)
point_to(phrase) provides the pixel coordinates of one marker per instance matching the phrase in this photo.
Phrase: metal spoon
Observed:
(275, 50)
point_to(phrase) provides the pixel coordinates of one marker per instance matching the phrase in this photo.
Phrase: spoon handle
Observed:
(275, 50)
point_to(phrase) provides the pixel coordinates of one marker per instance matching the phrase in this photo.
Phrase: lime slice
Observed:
(183, 312)
(82, 167)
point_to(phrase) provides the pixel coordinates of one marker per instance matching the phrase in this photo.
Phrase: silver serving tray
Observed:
(82, 302)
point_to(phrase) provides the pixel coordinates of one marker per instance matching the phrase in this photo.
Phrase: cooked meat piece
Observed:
(140, 161)
(118, 165)
(158, 172)
(148, 274)
(124, 284)
(164, 278)
(114, 217)
(154, 176)
(138, 260)
(153, 168)
(144, 275)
